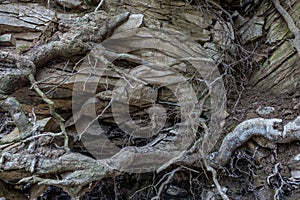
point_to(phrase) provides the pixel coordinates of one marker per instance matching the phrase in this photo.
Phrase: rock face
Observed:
(28, 17)
(147, 71)
(7, 40)
(252, 30)
(73, 4)
(176, 15)
(279, 72)
(294, 167)
(23, 24)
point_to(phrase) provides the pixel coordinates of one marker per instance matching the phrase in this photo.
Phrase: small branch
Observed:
(223, 10)
(52, 111)
(99, 5)
(42, 135)
(77, 41)
(162, 186)
(20, 137)
(212, 170)
(216, 182)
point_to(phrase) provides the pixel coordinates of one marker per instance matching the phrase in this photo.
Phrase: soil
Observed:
(286, 106)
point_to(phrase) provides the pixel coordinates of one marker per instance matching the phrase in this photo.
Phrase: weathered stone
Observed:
(28, 36)
(265, 110)
(22, 18)
(134, 21)
(11, 79)
(277, 27)
(276, 73)
(23, 46)
(176, 15)
(277, 32)
(7, 40)
(294, 167)
(239, 20)
(252, 30)
(212, 51)
(223, 34)
(71, 4)
(297, 106)
(29, 99)
(264, 8)
(200, 21)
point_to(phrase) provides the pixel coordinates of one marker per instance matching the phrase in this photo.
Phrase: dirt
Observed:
(286, 106)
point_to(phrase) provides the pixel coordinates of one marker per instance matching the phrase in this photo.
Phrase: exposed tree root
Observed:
(52, 111)
(271, 129)
(78, 170)
(79, 38)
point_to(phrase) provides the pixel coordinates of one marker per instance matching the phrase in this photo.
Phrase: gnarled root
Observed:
(268, 128)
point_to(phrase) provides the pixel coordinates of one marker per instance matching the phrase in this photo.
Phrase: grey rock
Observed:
(201, 21)
(209, 195)
(297, 106)
(223, 34)
(264, 110)
(239, 20)
(252, 30)
(277, 69)
(23, 46)
(27, 36)
(22, 18)
(71, 4)
(277, 27)
(294, 167)
(295, 174)
(176, 191)
(7, 40)
(212, 51)
(134, 21)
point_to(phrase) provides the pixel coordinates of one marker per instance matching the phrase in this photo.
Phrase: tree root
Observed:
(268, 128)
(78, 171)
(79, 39)
(52, 111)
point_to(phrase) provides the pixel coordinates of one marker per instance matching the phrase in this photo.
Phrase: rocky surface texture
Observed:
(80, 79)
(279, 72)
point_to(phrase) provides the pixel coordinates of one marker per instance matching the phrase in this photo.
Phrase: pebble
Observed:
(297, 106)
(265, 110)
